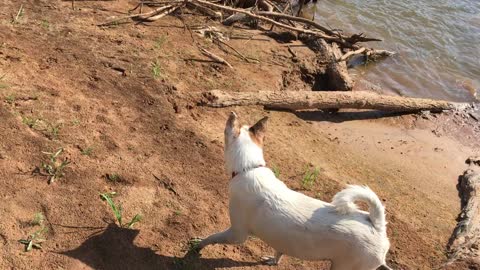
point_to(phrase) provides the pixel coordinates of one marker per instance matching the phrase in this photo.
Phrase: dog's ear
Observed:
(259, 130)
(233, 125)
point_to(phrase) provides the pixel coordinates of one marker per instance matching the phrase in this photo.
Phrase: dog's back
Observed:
(303, 227)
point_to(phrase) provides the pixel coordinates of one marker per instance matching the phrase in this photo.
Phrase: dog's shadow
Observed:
(113, 249)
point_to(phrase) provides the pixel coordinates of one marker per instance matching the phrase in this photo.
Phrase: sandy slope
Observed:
(81, 87)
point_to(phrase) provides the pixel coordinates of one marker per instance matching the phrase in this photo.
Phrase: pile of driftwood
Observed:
(333, 45)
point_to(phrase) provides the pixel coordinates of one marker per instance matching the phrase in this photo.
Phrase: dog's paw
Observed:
(269, 260)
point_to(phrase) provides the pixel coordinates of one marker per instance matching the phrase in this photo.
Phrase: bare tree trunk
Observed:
(464, 244)
(325, 100)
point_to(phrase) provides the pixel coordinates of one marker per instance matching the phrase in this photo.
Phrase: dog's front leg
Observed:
(230, 236)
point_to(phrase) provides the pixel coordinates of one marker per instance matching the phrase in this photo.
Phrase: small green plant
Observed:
(36, 239)
(45, 24)
(38, 219)
(10, 99)
(117, 210)
(193, 245)
(87, 151)
(113, 177)
(29, 121)
(160, 41)
(53, 130)
(75, 122)
(178, 212)
(55, 168)
(156, 70)
(276, 171)
(310, 178)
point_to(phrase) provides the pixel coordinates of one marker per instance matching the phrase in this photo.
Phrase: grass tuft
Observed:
(10, 99)
(117, 210)
(35, 240)
(55, 168)
(276, 171)
(87, 151)
(29, 121)
(160, 41)
(156, 70)
(310, 177)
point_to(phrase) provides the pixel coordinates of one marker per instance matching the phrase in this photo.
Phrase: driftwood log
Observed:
(325, 100)
(464, 244)
(338, 76)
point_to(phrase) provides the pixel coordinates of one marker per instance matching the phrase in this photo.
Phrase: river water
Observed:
(437, 44)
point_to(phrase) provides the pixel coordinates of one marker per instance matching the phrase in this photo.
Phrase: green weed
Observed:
(53, 130)
(55, 168)
(160, 41)
(117, 210)
(38, 219)
(10, 99)
(36, 239)
(276, 171)
(29, 121)
(156, 70)
(192, 245)
(87, 151)
(45, 24)
(310, 178)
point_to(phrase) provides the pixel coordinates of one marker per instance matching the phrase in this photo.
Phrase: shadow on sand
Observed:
(338, 117)
(113, 249)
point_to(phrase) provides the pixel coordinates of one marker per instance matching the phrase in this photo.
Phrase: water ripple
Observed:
(438, 43)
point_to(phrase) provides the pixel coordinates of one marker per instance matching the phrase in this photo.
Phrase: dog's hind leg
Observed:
(230, 236)
(275, 260)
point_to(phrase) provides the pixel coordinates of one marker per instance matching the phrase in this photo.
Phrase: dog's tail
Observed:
(344, 202)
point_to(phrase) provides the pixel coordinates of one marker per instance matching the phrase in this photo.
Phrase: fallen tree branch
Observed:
(351, 53)
(215, 57)
(355, 38)
(205, 10)
(148, 16)
(464, 244)
(243, 57)
(325, 100)
(279, 24)
(159, 13)
(337, 72)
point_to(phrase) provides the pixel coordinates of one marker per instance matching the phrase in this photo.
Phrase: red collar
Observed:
(236, 173)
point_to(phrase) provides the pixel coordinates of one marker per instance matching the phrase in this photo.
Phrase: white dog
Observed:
(292, 223)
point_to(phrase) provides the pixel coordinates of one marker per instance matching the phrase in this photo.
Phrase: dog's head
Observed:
(244, 144)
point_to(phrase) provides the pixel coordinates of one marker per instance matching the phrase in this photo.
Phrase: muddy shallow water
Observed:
(437, 43)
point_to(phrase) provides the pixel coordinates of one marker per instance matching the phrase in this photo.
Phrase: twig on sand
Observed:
(215, 57)
(148, 16)
(19, 13)
(243, 57)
